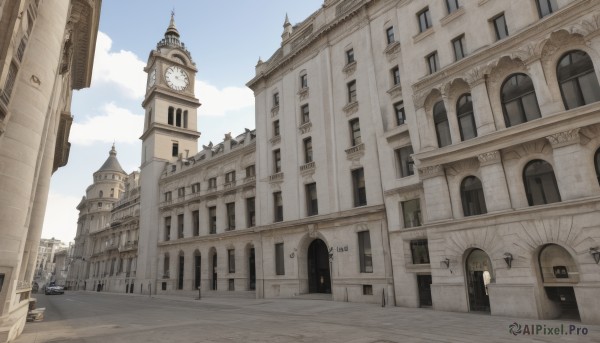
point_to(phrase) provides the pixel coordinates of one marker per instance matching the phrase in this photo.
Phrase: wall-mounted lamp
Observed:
(446, 262)
(508, 258)
(596, 254)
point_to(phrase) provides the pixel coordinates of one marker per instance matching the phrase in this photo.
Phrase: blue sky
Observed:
(225, 39)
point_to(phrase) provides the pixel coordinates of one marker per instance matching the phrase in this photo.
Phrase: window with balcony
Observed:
(405, 163)
(305, 113)
(351, 91)
(400, 113)
(355, 136)
(419, 249)
(276, 128)
(275, 99)
(196, 187)
(181, 192)
(212, 183)
(277, 161)
(212, 220)
(308, 150)
(168, 196)
(230, 177)
(250, 171)
(395, 76)
(358, 185)
(303, 81)
(389, 33)
(312, 207)
(350, 56)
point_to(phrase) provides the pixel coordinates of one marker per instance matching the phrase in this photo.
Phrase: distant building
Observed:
(427, 153)
(46, 51)
(46, 260)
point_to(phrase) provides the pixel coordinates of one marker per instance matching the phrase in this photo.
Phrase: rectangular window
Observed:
(212, 219)
(308, 150)
(424, 19)
(364, 252)
(180, 226)
(250, 212)
(275, 99)
(230, 207)
(167, 228)
(400, 114)
(175, 149)
(395, 75)
(181, 192)
(276, 128)
(500, 26)
(278, 207)
(168, 196)
(212, 183)
(304, 112)
(355, 137)
(459, 46)
(411, 210)
(231, 284)
(546, 7)
(367, 289)
(230, 177)
(99, 205)
(312, 207)
(351, 91)
(277, 161)
(279, 265)
(406, 165)
(389, 32)
(231, 260)
(196, 222)
(432, 62)
(250, 171)
(196, 187)
(451, 5)
(420, 251)
(358, 183)
(304, 81)
(349, 56)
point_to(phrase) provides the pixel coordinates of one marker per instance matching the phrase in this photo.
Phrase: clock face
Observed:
(152, 78)
(177, 78)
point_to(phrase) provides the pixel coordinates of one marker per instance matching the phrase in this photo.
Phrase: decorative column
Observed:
(424, 123)
(435, 187)
(542, 91)
(494, 183)
(451, 115)
(572, 178)
(484, 119)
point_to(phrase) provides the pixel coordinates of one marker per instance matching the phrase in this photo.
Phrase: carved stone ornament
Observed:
(303, 93)
(305, 128)
(419, 99)
(312, 232)
(431, 171)
(488, 158)
(349, 69)
(475, 76)
(564, 138)
(351, 108)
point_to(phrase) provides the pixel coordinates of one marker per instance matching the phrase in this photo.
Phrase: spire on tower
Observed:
(172, 30)
(287, 21)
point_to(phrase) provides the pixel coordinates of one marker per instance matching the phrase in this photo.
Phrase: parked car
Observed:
(54, 290)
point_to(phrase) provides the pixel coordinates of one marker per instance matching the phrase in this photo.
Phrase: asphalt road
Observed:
(90, 317)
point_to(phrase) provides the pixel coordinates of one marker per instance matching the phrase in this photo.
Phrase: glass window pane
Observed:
(501, 30)
(540, 183)
(443, 133)
(411, 211)
(589, 88)
(467, 127)
(570, 94)
(513, 113)
(530, 106)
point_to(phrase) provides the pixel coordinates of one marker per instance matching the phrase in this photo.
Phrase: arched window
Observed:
(442, 128)
(519, 102)
(171, 115)
(540, 183)
(178, 122)
(185, 119)
(101, 194)
(597, 164)
(166, 266)
(466, 119)
(577, 79)
(473, 200)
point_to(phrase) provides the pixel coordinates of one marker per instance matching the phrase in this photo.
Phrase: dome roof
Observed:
(111, 163)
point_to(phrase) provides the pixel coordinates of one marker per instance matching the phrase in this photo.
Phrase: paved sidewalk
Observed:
(102, 317)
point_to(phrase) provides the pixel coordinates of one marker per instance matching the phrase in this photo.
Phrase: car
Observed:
(54, 290)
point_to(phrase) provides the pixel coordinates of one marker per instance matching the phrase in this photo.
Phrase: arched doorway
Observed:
(197, 264)
(214, 271)
(251, 269)
(479, 275)
(319, 279)
(559, 273)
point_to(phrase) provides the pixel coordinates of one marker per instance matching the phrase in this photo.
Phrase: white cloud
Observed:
(115, 124)
(217, 102)
(123, 68)
(60, 220)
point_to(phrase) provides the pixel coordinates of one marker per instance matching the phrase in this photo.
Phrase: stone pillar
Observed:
(452, 120)
(494, 183)
(437, 197)
(188, 225)
(544, 97)
(572, 178)
(484, 119)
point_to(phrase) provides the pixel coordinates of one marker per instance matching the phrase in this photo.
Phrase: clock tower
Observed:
(170, 134)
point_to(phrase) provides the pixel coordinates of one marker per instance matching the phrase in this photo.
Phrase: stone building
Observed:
(46, 260)
(46, 51)
(428, 153)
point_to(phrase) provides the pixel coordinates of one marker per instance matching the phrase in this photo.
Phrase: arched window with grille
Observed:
(442, 127)
(519, 102)
(540, 183)
(466, 119)
(577, 79)
(471, 193)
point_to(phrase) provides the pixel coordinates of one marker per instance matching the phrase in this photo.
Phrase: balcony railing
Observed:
(276, 177)
(307, 167)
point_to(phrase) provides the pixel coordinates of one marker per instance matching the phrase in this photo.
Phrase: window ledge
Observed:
(303, 93)
(276, 177)
(392, 48)
(450, 17)
(308, 168)
(305, 128)
(356, 150)
(275, 111)
(396, 131)
(275, 140)
(396, 91)
(351, 108)
(229, 185)
(422, 35)
(349, 68)
(249, 179)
